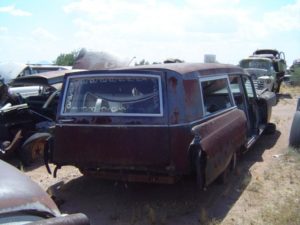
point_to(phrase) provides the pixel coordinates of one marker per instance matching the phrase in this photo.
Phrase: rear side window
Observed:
(216, 95)
(127, 95)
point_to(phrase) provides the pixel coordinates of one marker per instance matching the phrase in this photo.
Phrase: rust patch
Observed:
(191, 88)
(172, 82)
(175, 116)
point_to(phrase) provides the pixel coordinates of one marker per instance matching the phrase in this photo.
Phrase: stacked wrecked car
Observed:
(267, 68)
(29, 107)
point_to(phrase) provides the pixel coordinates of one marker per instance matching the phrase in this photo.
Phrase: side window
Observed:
(237, 90)
(216, 95)
(248, 87)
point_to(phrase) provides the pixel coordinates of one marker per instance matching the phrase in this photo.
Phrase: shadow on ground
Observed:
(108, 202)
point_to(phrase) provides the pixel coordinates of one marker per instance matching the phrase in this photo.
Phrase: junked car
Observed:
(157, 123)
(12, 70)
(20, 123)
(23, 202)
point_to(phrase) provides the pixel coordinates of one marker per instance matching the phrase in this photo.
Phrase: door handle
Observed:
(66, 120)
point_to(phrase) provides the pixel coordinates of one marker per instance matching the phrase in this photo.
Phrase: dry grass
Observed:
(283, 213)
(286, 209)
(293, 90)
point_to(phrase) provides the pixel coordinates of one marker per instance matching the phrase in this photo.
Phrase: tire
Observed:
(270, 129)
(224, 176)
(26, 156)
(200, 176)
(294, 140)
(278, 86)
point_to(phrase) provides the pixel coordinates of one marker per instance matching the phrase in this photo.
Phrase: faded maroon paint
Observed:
(115, 144)
(120, 146)
(220, 137)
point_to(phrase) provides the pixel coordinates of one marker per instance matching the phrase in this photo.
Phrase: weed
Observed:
(267, 175)
(255, 186)
(151, 215)
(284, 213)
(246, 180)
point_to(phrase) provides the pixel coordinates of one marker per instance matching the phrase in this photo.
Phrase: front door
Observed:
(245, 99)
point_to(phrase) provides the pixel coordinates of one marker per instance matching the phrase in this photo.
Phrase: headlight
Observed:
(268, 81)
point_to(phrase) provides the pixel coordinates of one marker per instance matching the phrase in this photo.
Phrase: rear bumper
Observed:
(131, 176)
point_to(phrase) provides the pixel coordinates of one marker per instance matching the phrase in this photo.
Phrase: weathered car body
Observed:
(20, 122)
(157, 123)
(22, 201)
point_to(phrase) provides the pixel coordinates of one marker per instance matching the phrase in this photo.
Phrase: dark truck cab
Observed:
(157, 123)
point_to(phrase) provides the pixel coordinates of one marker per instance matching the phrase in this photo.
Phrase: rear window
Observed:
(128, 95)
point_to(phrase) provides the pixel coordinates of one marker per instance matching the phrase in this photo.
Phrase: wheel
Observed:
(223, 178)
(26, 156)
(30, 153)
(199, 167)
(294, 140)
(270, 128)
(278, 86)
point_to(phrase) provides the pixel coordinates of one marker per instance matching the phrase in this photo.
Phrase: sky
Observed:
(32, 31)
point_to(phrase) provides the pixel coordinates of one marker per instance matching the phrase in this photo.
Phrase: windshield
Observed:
(113, 95)
(258, 64)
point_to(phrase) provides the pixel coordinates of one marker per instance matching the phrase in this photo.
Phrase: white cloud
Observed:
(155, 30)
(42, 33)
(3, 29)
(285, 19)
(12, 10)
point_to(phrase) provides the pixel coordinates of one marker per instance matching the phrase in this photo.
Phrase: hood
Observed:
(18, 193)
(255, 72)
(265, 78)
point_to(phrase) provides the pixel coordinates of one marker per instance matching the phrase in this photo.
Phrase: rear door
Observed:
(223, 133)
(114, 120)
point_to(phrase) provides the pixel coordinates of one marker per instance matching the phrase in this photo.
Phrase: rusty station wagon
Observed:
(157, 123)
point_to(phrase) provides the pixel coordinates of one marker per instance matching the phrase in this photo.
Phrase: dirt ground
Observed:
(261, 181)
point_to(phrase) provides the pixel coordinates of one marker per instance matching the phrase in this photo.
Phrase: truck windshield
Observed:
(259, 64)
(138, 95)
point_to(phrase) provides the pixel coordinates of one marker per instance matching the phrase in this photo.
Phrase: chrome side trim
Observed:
(148, 125)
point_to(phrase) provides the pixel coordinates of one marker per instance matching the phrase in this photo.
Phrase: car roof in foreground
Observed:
(202, 69)
(18, 193)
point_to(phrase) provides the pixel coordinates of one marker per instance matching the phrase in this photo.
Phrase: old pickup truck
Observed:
(157, 123)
